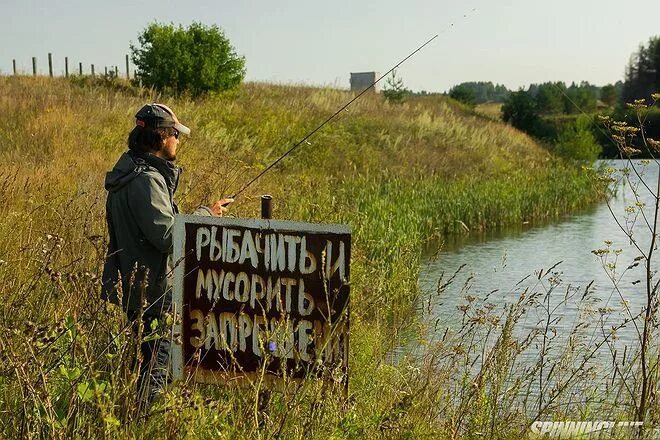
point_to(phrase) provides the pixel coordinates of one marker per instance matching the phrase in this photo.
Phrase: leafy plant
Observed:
(394, 90)
(642, 77)
(640, 224)
(482, 91)
(463, 94)
(576, 141)
(521, 111)
(196, 59)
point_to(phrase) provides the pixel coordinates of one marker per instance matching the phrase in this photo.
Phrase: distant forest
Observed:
(549, 97)
(479, 92)
(643, 72)
(565, 115)
(642, 78)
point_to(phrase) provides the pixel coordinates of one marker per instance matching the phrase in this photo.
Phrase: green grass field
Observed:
(399, 175)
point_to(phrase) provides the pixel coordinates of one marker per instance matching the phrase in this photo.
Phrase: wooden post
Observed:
(50, 64)
(80, 68)
(267, 206)
(34, 66)
(128, 72)
(116, 72)
(106, 70)
(92, 69)
(66, 67)
(14, 63)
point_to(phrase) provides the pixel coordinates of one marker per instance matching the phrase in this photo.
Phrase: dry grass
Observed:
(492, 110)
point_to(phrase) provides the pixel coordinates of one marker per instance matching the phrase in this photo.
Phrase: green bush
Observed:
(576, 141)
(395, 90)
(521, 111)
(197, 59)
(464, 94)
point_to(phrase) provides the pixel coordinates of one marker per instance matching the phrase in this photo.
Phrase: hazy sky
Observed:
(514, 42)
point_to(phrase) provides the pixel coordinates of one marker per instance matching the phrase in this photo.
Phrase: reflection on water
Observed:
(502, 265)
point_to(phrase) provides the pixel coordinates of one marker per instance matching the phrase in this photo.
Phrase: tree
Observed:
(394, 90)
(549, 98)
(482, 91)
(609, 94)
(520, 110)
(464, 94)
(580, 98)
(576, 141)
(500, 93)
(553, 98)
(643, 72)
(197, 59)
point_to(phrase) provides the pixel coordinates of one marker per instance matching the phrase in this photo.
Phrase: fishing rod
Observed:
(330, 118)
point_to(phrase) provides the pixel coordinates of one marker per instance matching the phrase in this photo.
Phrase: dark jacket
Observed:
(140, 213)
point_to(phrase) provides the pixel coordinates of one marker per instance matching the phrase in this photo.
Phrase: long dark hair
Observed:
(148, 140)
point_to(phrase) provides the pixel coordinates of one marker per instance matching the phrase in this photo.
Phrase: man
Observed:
(140, 213)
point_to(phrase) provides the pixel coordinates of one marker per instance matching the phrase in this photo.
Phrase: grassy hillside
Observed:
(492, 110)
(397, 174)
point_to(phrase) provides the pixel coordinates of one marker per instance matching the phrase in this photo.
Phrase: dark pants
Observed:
(154, 373)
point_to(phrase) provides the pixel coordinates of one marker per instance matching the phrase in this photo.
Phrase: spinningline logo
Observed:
(572, 428)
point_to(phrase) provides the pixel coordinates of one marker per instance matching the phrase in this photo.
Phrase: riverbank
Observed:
(397, 174)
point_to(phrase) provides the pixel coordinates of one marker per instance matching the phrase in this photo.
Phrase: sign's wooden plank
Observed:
(260, 296)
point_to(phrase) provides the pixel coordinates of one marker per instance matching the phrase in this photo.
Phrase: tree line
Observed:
(549, 97)
(539, 110)
(643, 72)
(642, 78)
(479, 92)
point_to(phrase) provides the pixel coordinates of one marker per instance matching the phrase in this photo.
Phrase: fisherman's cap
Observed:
(159, 116)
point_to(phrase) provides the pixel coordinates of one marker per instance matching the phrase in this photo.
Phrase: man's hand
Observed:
(219, 207)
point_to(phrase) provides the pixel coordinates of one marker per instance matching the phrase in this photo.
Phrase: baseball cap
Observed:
(159, 116)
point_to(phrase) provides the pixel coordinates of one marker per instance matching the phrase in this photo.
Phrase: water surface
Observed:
(501, 265)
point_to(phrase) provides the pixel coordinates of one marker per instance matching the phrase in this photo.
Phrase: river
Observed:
(500, 265)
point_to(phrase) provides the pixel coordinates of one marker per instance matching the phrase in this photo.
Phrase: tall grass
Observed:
(399, 175)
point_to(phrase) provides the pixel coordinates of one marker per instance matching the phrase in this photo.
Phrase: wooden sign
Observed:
(260, 299)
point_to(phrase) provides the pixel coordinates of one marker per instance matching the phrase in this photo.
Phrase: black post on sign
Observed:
(50, 64)
(80, 68)
(267, 206)
(34, 66)
(66, 67)
(14, 63)
(92, 69)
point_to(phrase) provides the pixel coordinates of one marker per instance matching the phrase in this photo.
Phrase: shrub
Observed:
(576, 141)
(464, 94)
(394, 90)
(197, 59)
(521, 111)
